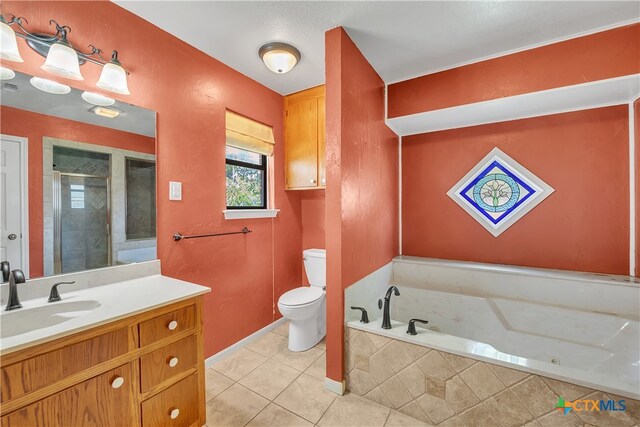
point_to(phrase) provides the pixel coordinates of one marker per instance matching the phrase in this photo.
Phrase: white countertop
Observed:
(101, 304)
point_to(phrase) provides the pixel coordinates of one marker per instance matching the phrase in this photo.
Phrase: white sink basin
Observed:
(25, 320)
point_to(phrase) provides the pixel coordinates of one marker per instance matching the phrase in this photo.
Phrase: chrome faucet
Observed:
(386, 319)
(16, 277)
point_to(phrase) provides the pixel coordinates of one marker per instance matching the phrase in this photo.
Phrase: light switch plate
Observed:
(175, 190)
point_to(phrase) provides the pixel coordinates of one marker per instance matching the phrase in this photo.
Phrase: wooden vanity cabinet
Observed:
(304, 139)
(145, 370)
(94, 402)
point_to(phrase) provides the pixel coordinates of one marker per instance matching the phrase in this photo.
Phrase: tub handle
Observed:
(365, 317)
(411, 329)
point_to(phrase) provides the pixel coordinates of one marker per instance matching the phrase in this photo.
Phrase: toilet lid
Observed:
(300, 296)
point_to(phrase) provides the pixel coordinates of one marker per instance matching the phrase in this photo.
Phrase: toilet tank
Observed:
(315, 265)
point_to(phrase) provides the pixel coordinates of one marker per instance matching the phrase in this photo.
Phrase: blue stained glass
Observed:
(499, 189)
(502, 190)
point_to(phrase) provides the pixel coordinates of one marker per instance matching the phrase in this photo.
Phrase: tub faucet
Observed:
(386, 319)
(16, 276)
(411, 328)
(6, 271)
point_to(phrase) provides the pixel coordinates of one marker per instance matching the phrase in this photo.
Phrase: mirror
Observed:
(77, 179)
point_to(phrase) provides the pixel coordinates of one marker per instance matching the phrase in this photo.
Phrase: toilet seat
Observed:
(301, 296)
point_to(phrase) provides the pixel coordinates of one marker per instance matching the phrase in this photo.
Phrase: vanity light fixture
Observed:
(62, 58)
(113, 77)
(97, 99)
(49, 86)
(8, 42)
(6, 73)
(279, 57)
(109, 113)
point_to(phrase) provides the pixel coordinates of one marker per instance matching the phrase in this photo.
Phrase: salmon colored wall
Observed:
(603, 55)
(190, 92)
(313, 228)
(34, 126)
(362, 182)
(583, 225)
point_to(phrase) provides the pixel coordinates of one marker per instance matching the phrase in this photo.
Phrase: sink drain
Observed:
(555, 361)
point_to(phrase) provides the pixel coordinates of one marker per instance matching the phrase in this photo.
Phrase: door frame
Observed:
(24, 202)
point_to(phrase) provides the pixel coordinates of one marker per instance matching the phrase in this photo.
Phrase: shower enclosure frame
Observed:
(57, 217)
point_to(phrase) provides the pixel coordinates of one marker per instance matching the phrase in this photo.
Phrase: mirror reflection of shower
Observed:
(82, 238)
(101, 206)
(81, 210)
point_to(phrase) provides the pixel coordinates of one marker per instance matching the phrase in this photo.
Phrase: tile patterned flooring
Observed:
(265, 384)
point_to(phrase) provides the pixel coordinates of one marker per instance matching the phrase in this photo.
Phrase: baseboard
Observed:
(333, 386)
(231, 349)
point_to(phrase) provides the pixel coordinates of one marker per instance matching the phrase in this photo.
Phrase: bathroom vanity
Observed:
(121, 354)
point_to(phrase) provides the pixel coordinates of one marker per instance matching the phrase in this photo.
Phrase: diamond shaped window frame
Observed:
(537, 191)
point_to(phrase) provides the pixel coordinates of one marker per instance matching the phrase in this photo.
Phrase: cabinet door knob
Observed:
(174, 413)
(173, 362)
(117, 382)
(172, 325)
(324, 181)
(313, 181)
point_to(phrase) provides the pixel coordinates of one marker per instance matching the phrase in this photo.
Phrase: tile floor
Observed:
(264, 384)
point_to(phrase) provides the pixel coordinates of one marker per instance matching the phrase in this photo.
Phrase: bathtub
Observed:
(576, 327)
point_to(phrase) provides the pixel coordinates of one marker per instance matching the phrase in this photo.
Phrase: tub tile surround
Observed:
(259, 386)
(441, 388)
(365, 292)
(537, 285)
(572, 326)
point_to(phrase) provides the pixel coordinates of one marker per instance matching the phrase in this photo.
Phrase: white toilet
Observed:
(304, 307)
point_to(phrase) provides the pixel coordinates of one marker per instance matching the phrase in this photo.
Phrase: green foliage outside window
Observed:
(246, 179)
(244, 186)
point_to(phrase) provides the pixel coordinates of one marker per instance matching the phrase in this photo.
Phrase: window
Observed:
(77, 196)
(246, 173)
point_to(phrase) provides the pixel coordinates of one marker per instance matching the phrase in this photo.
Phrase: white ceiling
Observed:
(399, 39)
(19, 93)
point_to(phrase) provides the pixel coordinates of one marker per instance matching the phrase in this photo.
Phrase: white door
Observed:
(11, 206)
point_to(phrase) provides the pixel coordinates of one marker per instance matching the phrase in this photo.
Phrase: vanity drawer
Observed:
(167, 325)
(39, 371)
(168, 361)
(176, 406)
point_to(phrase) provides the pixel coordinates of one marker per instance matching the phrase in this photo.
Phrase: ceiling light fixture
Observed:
(6, 73)
(109, 113)
(49, 86)
(97, 99)
(279, 57)
(62, 58)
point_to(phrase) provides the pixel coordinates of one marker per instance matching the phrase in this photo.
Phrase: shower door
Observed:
(82, 222)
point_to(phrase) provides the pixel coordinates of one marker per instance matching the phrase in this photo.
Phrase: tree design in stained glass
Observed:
(499, 191)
